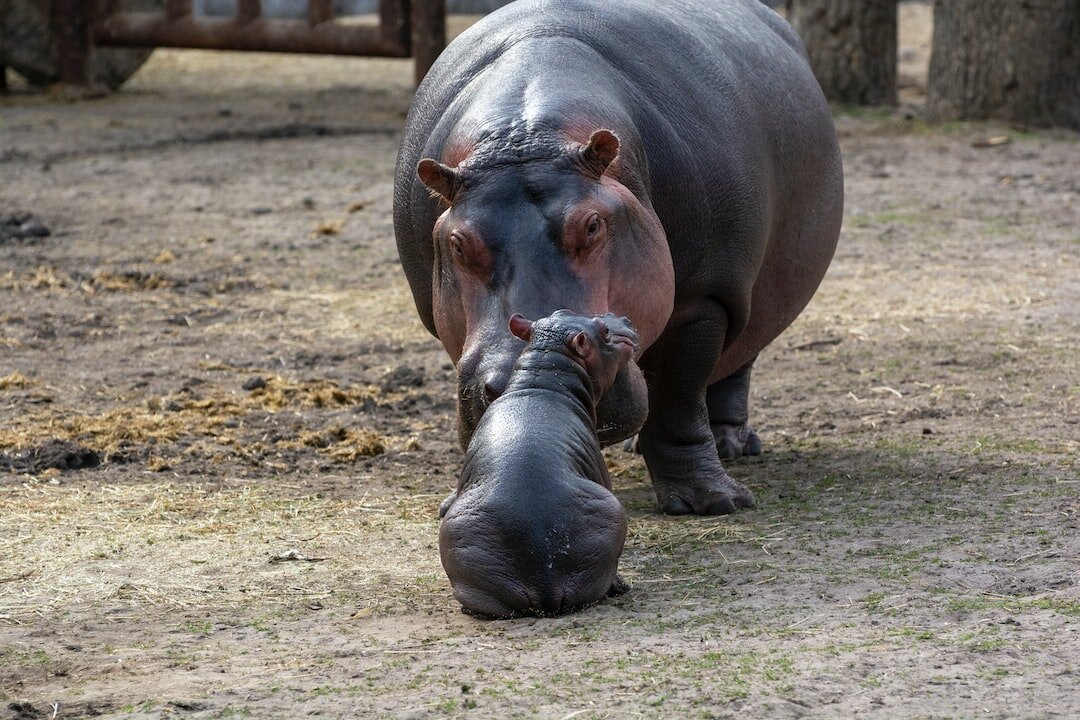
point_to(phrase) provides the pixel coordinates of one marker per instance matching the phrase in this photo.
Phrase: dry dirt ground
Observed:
(218, 329)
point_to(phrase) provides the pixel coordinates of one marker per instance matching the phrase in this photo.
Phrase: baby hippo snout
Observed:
(508, 557)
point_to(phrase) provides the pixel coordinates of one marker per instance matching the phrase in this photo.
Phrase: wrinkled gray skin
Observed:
(533, 528)
(673, 162)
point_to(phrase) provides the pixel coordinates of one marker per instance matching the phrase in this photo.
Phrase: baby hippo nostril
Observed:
(551, 603)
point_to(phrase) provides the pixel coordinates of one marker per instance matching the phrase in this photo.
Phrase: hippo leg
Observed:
(729, 402)
(677, 439)
(445, 504)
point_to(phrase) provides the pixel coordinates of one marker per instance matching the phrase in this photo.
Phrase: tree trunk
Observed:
(29, 45)
(852, 47)
(1006, 59)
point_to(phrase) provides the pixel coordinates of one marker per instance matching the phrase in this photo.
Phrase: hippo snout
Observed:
(481, 380)
(507, 560)
(515, 602)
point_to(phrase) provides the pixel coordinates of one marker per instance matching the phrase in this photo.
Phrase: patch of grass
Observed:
(920, 634)
(215, 419)
(863, 112)
(26, 658)
(211, 548)
(994, 443)
(873, 601)
(888, 218)
(1015, 604)
(16, 381)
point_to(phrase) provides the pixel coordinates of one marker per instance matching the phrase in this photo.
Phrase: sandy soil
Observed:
(212, 365)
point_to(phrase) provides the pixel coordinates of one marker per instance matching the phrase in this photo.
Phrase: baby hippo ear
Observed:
(602, 149)
(582, 345)
(440, 179)
(521, 328)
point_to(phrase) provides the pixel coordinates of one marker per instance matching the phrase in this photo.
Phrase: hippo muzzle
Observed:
(510, 556)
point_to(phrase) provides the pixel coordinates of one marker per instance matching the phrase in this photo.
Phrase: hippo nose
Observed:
(494, 385)
(550, 602)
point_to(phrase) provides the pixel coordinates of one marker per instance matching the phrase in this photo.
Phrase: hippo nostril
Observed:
(494, 385)
(551, 603)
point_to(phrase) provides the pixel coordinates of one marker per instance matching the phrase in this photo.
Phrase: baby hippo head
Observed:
(534, 529)
(603, 344)
(510, 552)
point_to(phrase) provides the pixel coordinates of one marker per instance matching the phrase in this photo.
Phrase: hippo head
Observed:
(557, 553)
(548, 541)
(601, 345)
(533, 221)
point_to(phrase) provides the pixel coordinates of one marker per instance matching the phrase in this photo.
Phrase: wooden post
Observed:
(428, 34)
(394, 24)
(248, 10)
(320, 11)
(176, 9)
(70, 21)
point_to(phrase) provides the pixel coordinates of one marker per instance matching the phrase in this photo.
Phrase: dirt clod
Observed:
(24, 711)
(402, 377)
(58, 454)
(22, 226)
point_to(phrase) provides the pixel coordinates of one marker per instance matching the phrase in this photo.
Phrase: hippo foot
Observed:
(715, 496)
(631, 445)
(735, 441)
(445, 504)
(619, 586)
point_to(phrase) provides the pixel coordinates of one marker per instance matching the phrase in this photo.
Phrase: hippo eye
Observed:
(585, 235)
(455, 245)
(592, 226)
(469, 253)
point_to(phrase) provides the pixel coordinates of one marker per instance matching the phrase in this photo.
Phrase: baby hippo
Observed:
(533, 528)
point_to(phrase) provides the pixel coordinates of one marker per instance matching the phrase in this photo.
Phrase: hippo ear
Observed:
(582, 345)
(603, 147)
(521, 328)
(440, 179)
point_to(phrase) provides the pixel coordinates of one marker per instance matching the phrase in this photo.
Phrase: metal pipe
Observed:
(70, 23)
(153, 30)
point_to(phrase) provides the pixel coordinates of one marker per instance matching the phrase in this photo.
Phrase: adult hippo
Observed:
(672, 162)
